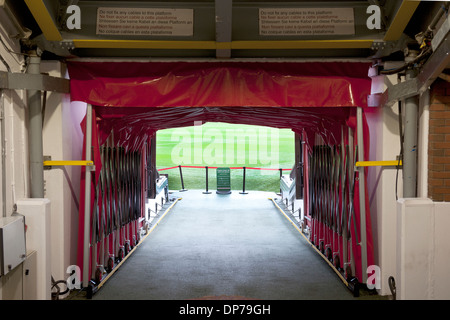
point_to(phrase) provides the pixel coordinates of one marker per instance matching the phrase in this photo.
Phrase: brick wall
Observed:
(439, 142)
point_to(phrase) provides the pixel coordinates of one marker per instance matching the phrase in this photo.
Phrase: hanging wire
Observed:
(400, 158)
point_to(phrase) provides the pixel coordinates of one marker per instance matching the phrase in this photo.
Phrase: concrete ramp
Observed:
(213, 246)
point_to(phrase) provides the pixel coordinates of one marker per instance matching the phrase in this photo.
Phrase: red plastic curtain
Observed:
(212, 84)
(132, 97)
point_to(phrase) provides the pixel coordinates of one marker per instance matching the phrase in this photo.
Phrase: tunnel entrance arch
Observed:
(323, 102)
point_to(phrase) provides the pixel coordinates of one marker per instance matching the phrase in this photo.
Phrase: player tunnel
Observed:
(128, 102)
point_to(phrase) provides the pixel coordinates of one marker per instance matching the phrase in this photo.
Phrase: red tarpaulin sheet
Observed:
(132, 97)
(212, 84)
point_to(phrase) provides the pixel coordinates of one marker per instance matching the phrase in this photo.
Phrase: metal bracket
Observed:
(384, 48)
(428, 73)
(67, 45)
(402, 90)
(46, 160)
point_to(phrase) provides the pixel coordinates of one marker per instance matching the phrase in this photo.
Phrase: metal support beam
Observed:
(347, 254)
(22, 32)
(153, 171)
(87, 197)
(343, 208)
(401, 19)
(35, 140)
(3, 151)
(362, 195)
(400, 91)
(223, 26)
(31, 81)
(213, 45)
(44, 19)
(433, 67)
(410, 144)
(442, 33)
(298, 167)
(422, 158)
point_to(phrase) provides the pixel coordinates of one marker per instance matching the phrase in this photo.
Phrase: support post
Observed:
(206, 192)
(410, 143)
(3, 146)
(223, 10)
(422, 159)
(343, 203)
(346, 253)
(182, 181)
(153, 170)
(281, 174)
(87, 196)
(298, 167)
(35, 143)
(243, 181)
(362, 195)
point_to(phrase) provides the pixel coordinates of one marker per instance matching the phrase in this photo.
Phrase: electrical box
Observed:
(12, 243)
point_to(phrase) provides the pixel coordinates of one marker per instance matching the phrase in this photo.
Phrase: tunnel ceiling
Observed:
(223, 29)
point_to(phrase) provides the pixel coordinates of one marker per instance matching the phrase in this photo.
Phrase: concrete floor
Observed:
(216, 246)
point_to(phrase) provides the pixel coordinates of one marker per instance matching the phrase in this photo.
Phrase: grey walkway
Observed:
(224, 245)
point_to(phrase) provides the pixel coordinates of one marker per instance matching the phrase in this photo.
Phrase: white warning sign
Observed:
(145, 21)
(306, 21)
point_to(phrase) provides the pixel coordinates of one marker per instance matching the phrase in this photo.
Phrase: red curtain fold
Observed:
(219, 84)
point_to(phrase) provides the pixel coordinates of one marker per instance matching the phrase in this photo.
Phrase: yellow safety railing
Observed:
(391, 163)
(51, 163)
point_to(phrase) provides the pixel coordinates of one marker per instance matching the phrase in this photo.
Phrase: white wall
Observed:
(423, 250)
(384, 145)
(62, 141)
(14, 171)
(62, 137)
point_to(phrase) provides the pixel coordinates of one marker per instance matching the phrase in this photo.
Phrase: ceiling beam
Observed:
(44, 20)
(223, 14)
(401, 20)
(214, 45)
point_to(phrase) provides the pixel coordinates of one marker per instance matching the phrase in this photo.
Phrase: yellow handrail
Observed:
(68, 163)
(392, 163)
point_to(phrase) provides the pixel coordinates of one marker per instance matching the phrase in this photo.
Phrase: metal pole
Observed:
(343, 202)
(153, 170)
(347, 254)
(206, 192)
(35, 143)
(3, 146)
(410, 144)
(362, 195)
(422, 161)
(243, 182)
(297, 160)
(181, 177)
(87, 196)
(281, 174)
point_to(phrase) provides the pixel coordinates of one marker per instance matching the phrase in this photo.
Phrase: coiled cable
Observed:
(391, 282)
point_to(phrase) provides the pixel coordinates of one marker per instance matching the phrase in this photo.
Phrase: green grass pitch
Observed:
(225, 145)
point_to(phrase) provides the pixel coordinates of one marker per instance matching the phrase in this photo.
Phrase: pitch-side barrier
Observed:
(244, 170)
